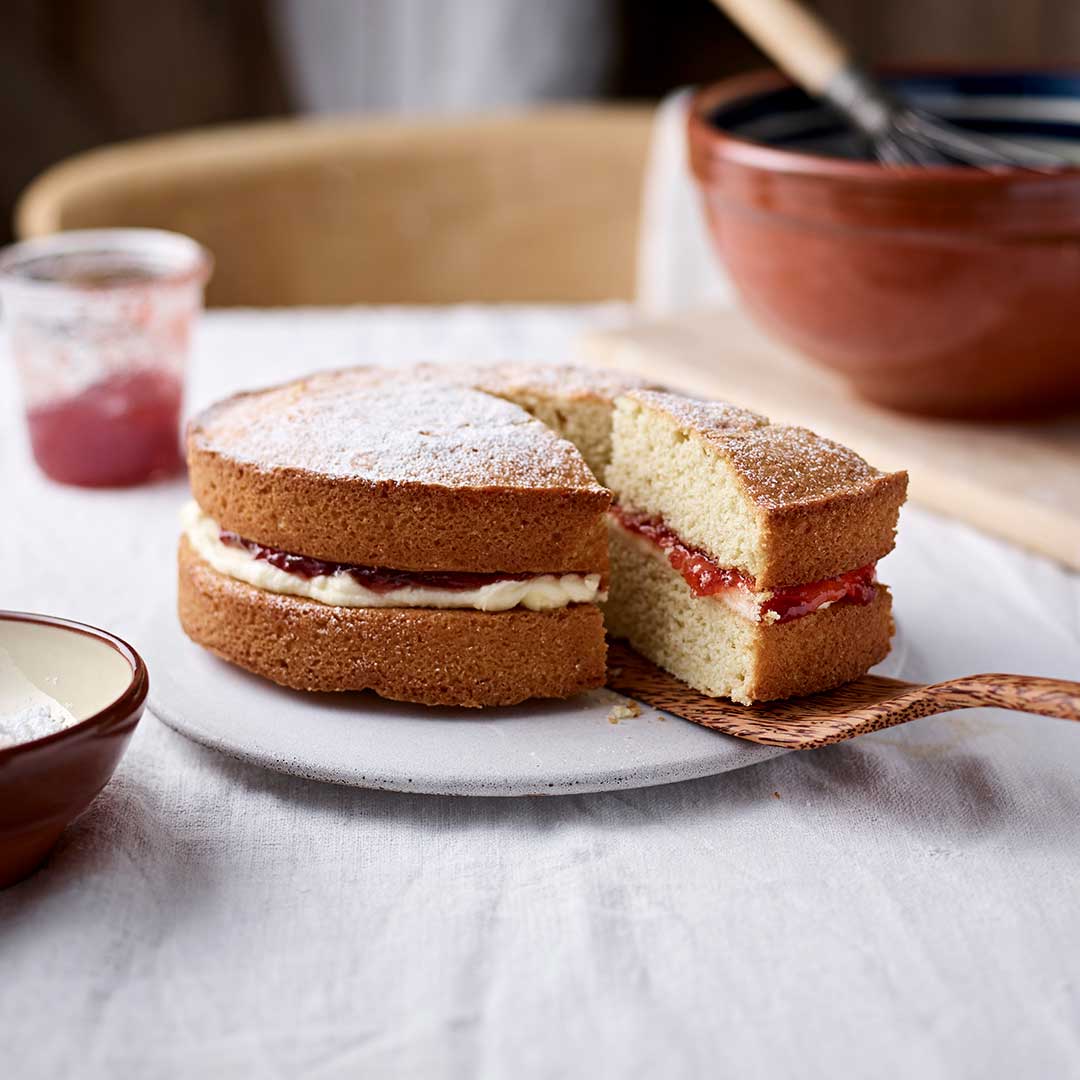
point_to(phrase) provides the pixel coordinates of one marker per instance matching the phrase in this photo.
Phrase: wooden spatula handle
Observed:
(794, 37)
(1023, 693)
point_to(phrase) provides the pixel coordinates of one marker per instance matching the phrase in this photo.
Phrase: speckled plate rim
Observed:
(508, 785)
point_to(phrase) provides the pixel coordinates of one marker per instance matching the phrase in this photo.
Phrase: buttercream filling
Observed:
(738, 589)
(346, 585)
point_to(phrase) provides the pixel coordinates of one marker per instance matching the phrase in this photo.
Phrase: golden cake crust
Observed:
(432, 657)
(822, 650)
(365, 467)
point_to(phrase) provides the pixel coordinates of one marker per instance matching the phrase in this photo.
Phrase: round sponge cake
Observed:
(397, 471)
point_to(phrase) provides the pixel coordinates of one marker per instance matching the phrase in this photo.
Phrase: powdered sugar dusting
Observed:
(569, 381)
(574, 382)
(783, 465)
(707, 418)
(26, 712)
(361, 423)
(780, 465)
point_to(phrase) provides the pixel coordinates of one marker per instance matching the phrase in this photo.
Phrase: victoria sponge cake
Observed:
(443, 536)
(423, 539)
(744, 552)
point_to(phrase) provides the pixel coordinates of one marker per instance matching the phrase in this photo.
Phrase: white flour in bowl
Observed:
(26, 713)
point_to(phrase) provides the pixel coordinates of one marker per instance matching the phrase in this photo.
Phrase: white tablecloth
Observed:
(902, 906)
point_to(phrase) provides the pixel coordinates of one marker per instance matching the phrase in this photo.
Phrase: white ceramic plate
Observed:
(540, 748)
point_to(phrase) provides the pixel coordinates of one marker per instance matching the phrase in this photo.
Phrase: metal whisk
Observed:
(898, 133)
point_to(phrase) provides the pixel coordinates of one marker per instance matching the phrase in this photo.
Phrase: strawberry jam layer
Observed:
(854, 587)
(376, 578)
(706, 578)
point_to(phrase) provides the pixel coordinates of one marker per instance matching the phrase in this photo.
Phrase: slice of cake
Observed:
(743, 552)
(424, 540)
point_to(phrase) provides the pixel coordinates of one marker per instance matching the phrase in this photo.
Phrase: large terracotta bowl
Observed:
(948, 291)
(47, 783)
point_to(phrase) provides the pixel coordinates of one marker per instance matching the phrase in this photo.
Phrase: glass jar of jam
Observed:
(99, 325)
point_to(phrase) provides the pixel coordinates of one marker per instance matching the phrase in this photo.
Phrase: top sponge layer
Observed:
(373, 468)
(777, 502)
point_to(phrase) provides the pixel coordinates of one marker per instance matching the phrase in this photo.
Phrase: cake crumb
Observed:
(623, 711)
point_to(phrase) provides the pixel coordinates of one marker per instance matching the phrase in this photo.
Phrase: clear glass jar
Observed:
(99, 323)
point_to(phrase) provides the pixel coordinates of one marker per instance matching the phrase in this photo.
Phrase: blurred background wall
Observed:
(78, 73)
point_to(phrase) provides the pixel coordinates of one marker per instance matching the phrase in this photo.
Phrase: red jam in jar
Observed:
(120, 431)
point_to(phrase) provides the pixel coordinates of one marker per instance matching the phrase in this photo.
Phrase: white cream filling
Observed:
(26, 712)
(545, 592)
(750, 605)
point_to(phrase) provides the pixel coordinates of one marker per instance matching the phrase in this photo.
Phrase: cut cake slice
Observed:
(743, 552)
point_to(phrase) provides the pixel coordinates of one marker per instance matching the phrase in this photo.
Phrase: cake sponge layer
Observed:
(777, 502)
(372, 469)
(429, 656)
(724, 654)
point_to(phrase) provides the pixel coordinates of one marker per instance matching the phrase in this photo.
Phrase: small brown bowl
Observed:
(45, 784)
(948, 291)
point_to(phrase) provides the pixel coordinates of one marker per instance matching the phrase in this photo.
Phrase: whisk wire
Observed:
(900, 134)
